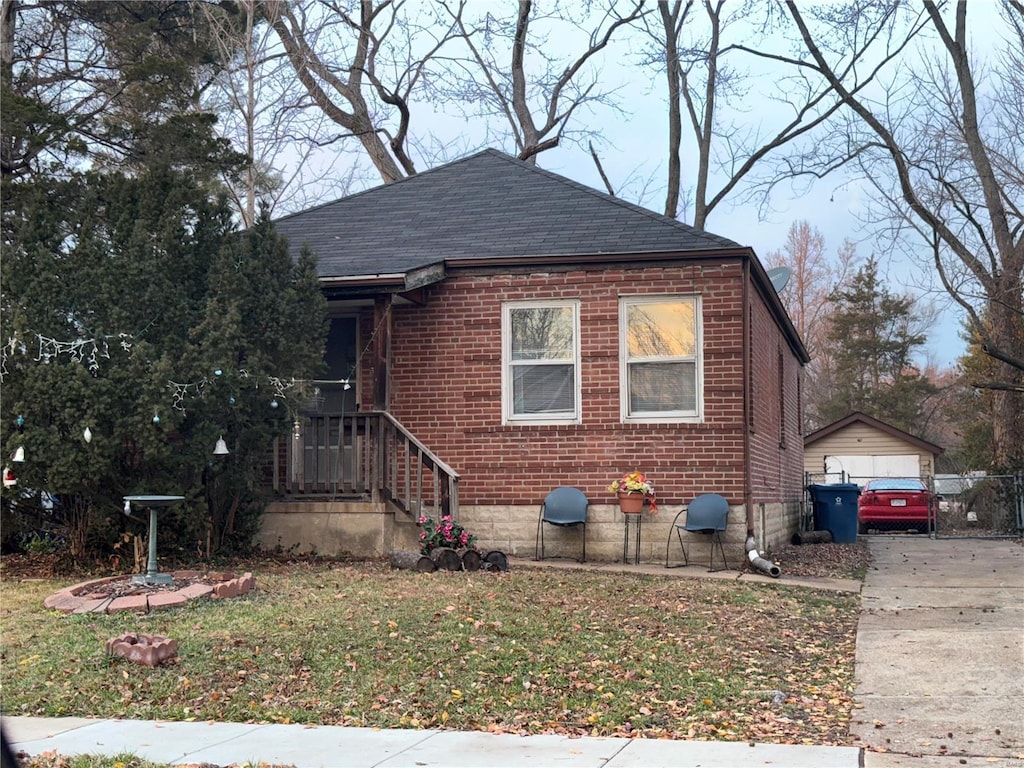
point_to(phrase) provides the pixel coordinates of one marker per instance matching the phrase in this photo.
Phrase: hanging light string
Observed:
(88, 351)
(181, 392)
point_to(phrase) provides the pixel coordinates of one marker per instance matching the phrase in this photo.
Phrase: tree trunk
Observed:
(411, 561)
(446, 559)
(813, 537)
(495, 561)
(1008, 404)
(472, 560)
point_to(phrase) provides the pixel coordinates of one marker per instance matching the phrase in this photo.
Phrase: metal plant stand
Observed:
(152, 503)
(634, 521)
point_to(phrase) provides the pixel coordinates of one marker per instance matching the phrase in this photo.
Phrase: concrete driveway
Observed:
(940, 653)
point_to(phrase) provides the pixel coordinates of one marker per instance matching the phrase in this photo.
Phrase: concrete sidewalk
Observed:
(328, 747)
(940, 654)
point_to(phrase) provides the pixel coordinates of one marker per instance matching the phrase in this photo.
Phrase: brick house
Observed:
(503, 330)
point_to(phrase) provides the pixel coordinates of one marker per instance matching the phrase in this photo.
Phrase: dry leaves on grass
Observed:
(528, 651)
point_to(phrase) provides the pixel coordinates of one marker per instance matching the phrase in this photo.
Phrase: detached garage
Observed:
(859, 447)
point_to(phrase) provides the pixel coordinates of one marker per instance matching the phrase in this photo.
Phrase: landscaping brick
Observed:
(91, 606)
(62, 601)
(194, 591)
(149, 650)
(166, 600)
(137, 603)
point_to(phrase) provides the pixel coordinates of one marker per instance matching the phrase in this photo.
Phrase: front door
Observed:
(324, 455)
(342, 362)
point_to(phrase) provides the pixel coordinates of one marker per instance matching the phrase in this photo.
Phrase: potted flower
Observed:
(633, 489)
(443, 533)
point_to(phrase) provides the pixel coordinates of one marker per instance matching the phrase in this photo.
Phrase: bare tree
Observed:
(54, 85)
(260, 111)
(808, 298)
(941, 147)
(708, 61)
(534, 93)
(361, 68)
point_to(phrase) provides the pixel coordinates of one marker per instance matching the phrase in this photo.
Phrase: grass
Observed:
(528, 651)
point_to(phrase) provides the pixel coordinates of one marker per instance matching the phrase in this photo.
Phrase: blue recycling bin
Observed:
(835, 510)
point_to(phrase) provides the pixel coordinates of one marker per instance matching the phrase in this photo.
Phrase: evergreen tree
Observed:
(116, 84)
(872, 344)
(124, 287)
(121, 298)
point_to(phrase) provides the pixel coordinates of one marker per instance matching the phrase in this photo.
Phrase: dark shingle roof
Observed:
(487, 205)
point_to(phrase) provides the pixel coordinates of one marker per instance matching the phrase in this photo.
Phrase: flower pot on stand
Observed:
(631, 503)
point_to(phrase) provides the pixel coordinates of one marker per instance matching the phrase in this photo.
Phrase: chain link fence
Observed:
(971, 505)
(979, 505)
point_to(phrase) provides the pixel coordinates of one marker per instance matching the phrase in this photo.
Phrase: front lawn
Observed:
(528, 651)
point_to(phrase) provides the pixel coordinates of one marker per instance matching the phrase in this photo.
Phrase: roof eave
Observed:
(394, 282)
(488, 262)
(863, 418)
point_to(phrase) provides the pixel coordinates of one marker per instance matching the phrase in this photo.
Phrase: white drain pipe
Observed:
(765, 566)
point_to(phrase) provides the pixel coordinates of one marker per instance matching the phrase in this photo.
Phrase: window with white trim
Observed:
(541, 361)
(662, 377)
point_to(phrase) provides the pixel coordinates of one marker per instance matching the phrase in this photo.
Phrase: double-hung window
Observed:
(541, 362)
(661, 358)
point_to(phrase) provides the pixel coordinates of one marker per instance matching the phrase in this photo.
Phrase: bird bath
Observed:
(152, 503)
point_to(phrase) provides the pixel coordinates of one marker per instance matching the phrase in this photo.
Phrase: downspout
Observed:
(764, 566)
(748, 497)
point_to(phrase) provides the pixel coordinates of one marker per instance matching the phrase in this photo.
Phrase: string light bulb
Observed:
(87, 435)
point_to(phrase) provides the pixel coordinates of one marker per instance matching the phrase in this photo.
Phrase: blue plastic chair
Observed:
(707, 514)
(565, 507)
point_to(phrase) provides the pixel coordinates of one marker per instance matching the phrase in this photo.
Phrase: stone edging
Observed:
(76, 598)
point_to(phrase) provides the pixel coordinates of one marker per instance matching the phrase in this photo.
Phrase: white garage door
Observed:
(861, 468)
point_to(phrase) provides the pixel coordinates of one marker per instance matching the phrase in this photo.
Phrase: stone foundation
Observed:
(356, 529)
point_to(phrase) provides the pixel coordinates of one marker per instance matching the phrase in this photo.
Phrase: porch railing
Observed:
(363, 454)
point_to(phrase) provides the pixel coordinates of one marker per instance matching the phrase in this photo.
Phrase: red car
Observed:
(896, 502)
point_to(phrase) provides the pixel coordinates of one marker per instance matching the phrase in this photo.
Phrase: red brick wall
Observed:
(776, 466)
(445, 384)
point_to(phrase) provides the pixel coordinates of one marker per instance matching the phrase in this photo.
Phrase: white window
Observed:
(662, 377)
(541, 362)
